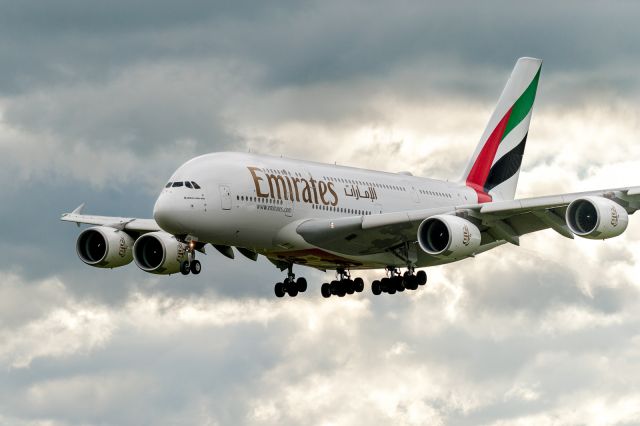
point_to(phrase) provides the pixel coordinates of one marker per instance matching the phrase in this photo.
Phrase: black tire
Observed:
(301, 284)
(349, 287)
(397, 283)
(279, 290)
(184, 268)
(385, 285)
(335, 287)
(375, 288)
(195, 267)
(292, 291)
(410, 282)
(359, 284)
(421, 277)
(325, 290)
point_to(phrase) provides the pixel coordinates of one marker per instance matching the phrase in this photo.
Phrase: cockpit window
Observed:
(188, 184)
(195, 185)
(168, 185)
(177, 184)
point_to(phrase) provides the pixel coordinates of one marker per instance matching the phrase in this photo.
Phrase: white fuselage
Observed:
(257, 202)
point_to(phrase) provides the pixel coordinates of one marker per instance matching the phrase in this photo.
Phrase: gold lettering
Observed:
(306, 192)
(279, 182)
(333, 192)
(322, 188)
(290, 188)
(256, 182)
(295, 185)
(315, 190)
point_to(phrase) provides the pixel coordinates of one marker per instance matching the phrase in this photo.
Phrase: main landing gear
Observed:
(290, 285)
(394, 281)
(191, 265)
(344, 285)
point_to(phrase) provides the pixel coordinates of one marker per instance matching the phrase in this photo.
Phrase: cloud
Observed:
(101, 102)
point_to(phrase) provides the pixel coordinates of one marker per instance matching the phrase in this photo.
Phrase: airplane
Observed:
(333, 217)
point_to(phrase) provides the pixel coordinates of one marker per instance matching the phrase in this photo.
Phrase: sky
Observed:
(101, 101)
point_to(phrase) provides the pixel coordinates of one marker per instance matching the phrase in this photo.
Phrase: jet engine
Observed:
(596, 218)
(159, 253)
(448, 237)
(104, 247)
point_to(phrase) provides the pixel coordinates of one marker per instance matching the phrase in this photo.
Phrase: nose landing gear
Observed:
(191, 265)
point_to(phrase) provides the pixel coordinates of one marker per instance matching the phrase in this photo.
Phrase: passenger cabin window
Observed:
(188, 184)
(177, 184)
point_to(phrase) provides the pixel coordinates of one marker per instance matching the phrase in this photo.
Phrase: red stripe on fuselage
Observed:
(480, 170)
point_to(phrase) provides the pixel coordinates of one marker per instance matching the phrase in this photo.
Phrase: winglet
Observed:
(78, 209)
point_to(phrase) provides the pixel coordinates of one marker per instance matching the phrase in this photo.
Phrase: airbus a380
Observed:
(345, 219)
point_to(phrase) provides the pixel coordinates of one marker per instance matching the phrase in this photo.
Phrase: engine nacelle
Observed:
(448, 236)
(159, 253)
(596, 218)
(104, 247)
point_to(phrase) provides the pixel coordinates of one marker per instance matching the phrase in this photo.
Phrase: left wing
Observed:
(122, 223)
(500, 220)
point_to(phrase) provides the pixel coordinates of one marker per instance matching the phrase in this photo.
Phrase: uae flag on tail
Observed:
(494, 168)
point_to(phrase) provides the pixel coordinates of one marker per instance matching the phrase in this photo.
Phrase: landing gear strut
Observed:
(191, 265)
(342, 286)
(290, 285)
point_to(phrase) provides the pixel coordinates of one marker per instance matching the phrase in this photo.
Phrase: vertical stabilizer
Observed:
(495, 165)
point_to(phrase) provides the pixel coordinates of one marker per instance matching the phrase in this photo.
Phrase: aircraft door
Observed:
(225, 197)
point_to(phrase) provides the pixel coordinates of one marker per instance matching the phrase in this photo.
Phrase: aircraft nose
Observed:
(166, 213)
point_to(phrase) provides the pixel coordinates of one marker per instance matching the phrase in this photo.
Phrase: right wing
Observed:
(498, 221)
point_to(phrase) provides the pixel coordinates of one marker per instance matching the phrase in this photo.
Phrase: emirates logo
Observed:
(122, 250)
(615, 216)
(466, 235)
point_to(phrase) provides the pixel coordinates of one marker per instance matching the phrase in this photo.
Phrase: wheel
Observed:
(301, 284)
(292, 290)
(325, 290)
(184, 267)
(359, 284)
(335, 287)
(391, 290)
(397, 283)
(279, 290)
(195, 267)
(349, 288)
(421, 277)
(375, 287)
(410, 282)
(385, 284)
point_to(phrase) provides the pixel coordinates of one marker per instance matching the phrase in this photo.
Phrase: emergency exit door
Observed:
(225, 197)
